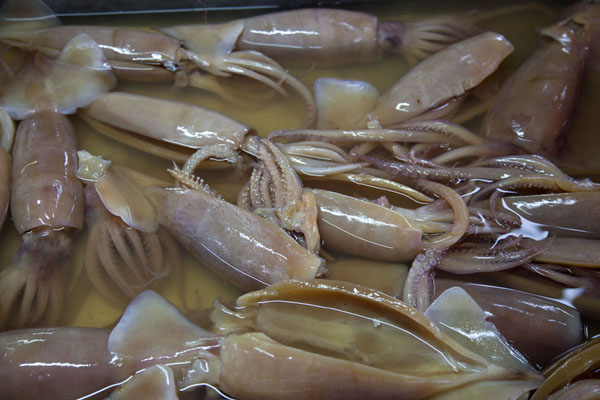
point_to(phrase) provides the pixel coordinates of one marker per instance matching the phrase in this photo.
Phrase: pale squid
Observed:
(46, 196)
(147, 55)
(126, 251)
(431, 89)
(168, 129)
(47, 210)
(277, 343)
(74, 79)
(534, 107)
(245, 249)
(328, 36)
(121, 261)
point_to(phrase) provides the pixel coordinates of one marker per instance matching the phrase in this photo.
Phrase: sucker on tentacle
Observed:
(419, 286)
(536, 182)
(191, 181)
(435, 131)
(465, 258)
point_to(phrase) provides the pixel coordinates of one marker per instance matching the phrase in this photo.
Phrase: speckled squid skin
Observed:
(45, 191)
(243, 248)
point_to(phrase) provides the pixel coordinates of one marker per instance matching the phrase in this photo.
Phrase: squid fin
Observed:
(25, 15)
(153, 328)
(154, 383)
(125, 200)
(76, 79)
(459, 316)
(83, 51)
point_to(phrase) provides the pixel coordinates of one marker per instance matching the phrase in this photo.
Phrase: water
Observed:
(200, 286)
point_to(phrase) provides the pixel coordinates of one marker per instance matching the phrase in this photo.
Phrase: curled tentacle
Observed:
(461, 216)
(419, 286)
(275, 188)
(218, 151)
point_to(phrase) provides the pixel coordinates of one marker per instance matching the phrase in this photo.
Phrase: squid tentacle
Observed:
(466, 259)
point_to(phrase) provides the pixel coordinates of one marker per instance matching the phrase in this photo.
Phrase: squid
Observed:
(431, 89)
(534, 106)
(253, 348)
(248, 251)
(47, 202)
(327, 36)
(172, 130)
(126, 251)
(47, 210)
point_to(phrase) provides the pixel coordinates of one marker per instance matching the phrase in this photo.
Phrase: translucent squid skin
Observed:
(117, 43)
(174, 122)
(359, 227)
(45, 191)
(534, 107)
(4, 184)
(328, 36)
(324, 36)
(64, 363)
(47, 209)
(245, 249)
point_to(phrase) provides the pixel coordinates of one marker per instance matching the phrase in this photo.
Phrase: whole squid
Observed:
(46, 196)
(535, 105)
(47, 210)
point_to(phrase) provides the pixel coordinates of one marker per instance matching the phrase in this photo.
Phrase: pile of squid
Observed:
(422, 242)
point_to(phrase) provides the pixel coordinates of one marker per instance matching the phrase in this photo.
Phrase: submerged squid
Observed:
(47, 210)
(46, 196)
(147, 55)
(535, 105)
(328, 36)
(300, 339)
